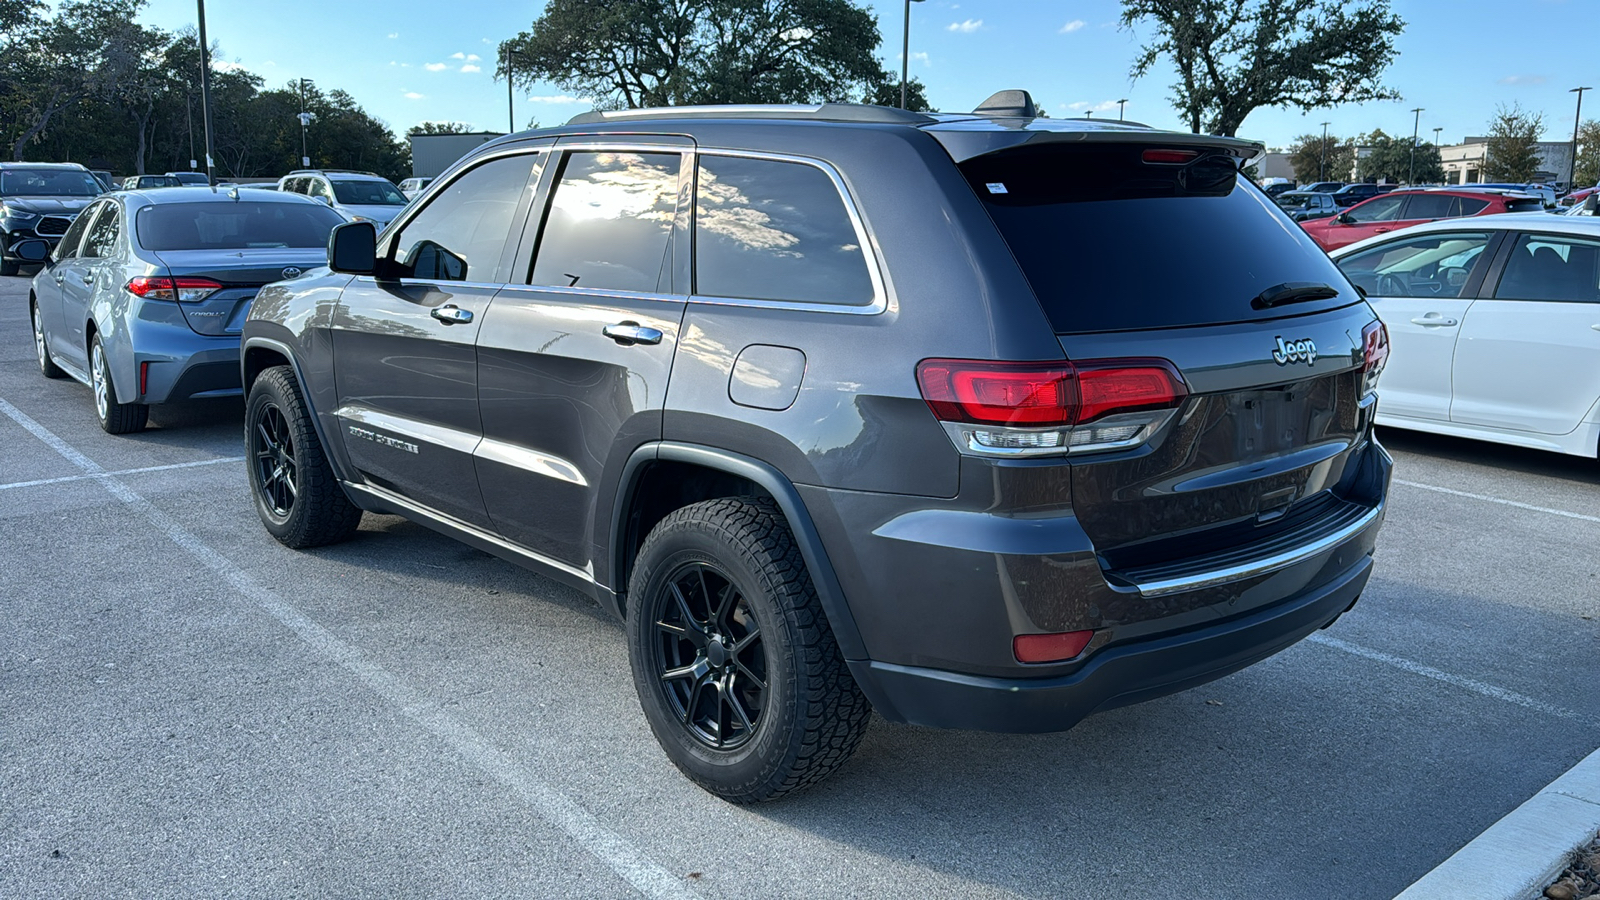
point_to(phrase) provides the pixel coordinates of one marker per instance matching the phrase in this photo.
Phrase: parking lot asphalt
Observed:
(189, 709)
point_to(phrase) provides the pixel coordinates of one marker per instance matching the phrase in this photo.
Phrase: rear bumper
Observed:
(1117, 675)
(182, 364)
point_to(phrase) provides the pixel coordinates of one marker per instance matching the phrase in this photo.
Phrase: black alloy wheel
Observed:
(296, 493)
(272, 454)
(709, 655)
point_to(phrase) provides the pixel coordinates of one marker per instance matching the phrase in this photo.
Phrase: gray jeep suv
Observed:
(979, 421)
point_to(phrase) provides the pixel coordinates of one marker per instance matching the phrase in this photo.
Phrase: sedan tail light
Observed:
(181, 289)
(1040, 409)
(1375, 355)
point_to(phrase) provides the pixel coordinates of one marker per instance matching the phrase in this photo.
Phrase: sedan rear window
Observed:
(241, 225)
(1111, 243)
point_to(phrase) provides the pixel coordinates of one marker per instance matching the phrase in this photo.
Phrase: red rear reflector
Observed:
(144, 378)
(1170, 156)
(1038, 648)
(1045, 394)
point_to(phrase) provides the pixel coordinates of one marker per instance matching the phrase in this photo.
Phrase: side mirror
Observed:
(1344, 219)
(31, 251)
(353, 248)
(325, 199)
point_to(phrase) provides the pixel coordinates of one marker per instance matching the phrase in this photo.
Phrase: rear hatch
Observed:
(1154, 247)
(238, 275)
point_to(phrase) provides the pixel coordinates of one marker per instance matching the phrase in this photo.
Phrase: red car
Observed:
(1402, 209)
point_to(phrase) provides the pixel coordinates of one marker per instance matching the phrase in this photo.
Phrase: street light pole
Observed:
(305, 120)
(1411, 176)
(1120, 104)
(1322, 168)
(1572, 167)
(205, 90)
(905, 52)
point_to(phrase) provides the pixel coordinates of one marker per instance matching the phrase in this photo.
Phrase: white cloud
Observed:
(1072, 26)
(1082, 105)
(393, 35)
(966, 27)
(473, 57)
(1524, 79)
(222, 65)
(436, 67)
(469, 67)
(413, 95)
(458, 55)
(558, 98)
(922, 58)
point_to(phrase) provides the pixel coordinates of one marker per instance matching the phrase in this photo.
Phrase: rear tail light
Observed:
(1375, 355)
(1040, 409)
(1058, 647)
(182, 289)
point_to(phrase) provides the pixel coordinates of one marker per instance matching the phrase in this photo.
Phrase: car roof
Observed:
(1582, 226)
(214, 195)
(23, 164)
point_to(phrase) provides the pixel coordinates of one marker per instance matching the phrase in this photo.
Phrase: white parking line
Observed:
(1477, 687)
(1500, 500)
(188, 465)
(609, 847)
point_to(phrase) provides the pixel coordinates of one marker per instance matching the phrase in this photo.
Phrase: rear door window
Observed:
(1111, 243)
(1551, 267)
(775, 230)
(100, 241)
(1432, 206)
(610, 222)
(68, 247)
(1471, 206)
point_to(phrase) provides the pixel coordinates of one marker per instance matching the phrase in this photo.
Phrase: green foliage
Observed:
(1236, 56)
(1587, 170)
(1315, 161)
(1390, 160)
(1513, 152)
(885, 91)
(440, 128)
(638, 53)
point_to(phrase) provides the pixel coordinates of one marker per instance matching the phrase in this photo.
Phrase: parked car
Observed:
(1589, 207)
(906, 459)
(1404, 208)
(360, 196)
(1578, 196)
(1323, 187)
(144, 298)
(190, 179)
(411, 187)
(1495, 324)
(107, 181)
(1303, 205)
(1543, 191)
(39, 201)
(1351, 194)
(146, 182)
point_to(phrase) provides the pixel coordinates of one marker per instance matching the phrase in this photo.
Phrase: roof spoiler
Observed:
(1010, 104)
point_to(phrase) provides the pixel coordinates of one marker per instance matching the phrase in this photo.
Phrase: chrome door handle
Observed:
(451, 314)
(60, 277)
(88, 278)
(627, 333)
(1432, 321)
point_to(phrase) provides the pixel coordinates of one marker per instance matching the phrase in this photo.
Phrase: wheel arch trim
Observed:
(287, 352)
(809, 540)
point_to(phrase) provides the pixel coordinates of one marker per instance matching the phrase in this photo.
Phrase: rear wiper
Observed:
(1294, 292)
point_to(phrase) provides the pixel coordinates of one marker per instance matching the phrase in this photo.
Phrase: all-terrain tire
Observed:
(294, 488)
(114, 417)
(809, 714)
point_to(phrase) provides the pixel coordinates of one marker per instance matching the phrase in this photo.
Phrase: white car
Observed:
(1494, 327)
(413, 186)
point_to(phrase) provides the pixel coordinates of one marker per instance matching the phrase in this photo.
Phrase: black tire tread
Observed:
(835, 712)
(322, 513)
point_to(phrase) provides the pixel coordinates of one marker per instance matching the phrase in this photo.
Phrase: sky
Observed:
(408, 61)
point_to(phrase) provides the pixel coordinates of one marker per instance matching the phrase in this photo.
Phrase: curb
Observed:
(1522, 853)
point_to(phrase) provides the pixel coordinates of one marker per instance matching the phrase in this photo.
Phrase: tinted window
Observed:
(241, 225)
(610, 222)
(1110, 243)
(1380, 209)
(1432, 206)
(770, 230)
(1434, 265)
(101, 239)
(461, 233)
(1547, 267)
(1472, 206)
(368, 193)
(68, 247)
(48, 183)
(317, 188)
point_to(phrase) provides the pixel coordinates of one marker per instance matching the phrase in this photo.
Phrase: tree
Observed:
(637, 53)
(1236, 56)
(1587, 169)
(53, 64)
(1314, 160)
(439, 128)
(884, 90)
(1513, 151)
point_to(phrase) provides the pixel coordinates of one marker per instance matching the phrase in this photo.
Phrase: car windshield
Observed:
(368, 193)
(48, 183)
(189, 177)
(241, 225)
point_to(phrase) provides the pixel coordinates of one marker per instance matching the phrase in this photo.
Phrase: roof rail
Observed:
(332, 172)
(826, 112)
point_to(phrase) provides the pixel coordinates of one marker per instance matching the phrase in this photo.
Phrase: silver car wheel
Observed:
(38, 338)
(97, 375)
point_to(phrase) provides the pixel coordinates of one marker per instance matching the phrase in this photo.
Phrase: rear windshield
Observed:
(1112, 243)
(241, 225)
(1524, 204)
(368, 193)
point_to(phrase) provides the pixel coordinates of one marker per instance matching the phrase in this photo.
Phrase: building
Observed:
(431, 154)
(1463, 162)
(1275, 164)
